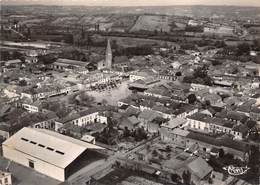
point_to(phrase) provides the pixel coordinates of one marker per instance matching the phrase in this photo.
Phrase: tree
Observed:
(126, 132)
(221, 153)
(192, 98)
(68, 38)
(210, 181)
(47, 59)
(22, 83)
(201, 72)
(168, 148)
(4, 55)
(186, 176)
(215, 62)
(178, 73)
(243, 49)
(28, 34)
(59, 108)
(82, 99)
(155, 153)
(140, 134)
(176, 178)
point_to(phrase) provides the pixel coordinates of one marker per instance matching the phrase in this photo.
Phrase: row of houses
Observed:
(83, 118)
(46, 90)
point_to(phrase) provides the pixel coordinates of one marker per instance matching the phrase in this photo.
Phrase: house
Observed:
(176, 65)
(204, 123)
(130, 123)
(253, 68)
(220, 30)
(13, 63)
(5, 178)
(147, 116)
(139, 85)
(34, 120)
(193, 23)
(185, 110)
(212, 99)
(198, 87)
(174, 123)
(31, 59)
(32, 106)
(49, 90)
(83, 118)
(123, 108)
(179, 136)
(141, 75)
(158, 91)
(63, 64)
(153, 126)
(47, 152)
(89, 139)
(166, 112)
(42, 120)
(199, 169)
(215, 152)
(120, 62)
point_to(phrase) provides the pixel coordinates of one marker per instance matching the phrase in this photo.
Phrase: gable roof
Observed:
(67, 62)
(48, 146)
(129, 122)
(200, 167)
(149, 115)
(173, 123)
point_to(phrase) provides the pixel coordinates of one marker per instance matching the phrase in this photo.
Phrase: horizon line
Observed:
(227, 5)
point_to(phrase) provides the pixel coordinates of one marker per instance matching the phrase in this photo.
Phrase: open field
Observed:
(152, 23)
(112, 96)
(65, 20)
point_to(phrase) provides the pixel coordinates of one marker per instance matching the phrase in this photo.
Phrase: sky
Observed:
(136, 2)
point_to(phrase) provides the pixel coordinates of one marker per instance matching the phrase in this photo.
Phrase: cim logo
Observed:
(232, 170)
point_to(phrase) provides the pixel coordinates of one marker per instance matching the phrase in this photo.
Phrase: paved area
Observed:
(25, 176)
(112, 96)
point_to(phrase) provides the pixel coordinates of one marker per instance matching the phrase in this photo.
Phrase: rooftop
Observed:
(173, 123)
(71, 62)
(46, 145)
(200, 167)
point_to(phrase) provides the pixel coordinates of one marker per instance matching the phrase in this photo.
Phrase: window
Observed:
(59, 152)
(6, 180)
(24, 139)
(49, 148)
(40, 145)
(33, 142)
(31, 164)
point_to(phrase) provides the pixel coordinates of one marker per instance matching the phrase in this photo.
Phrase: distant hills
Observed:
(192, 11)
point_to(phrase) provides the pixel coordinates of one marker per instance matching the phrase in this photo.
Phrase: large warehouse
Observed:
(47, 152)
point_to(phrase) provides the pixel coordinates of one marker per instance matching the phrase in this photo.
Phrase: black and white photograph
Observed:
(129, 92)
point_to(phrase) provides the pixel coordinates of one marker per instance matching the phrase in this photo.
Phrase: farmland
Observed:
(152, 23)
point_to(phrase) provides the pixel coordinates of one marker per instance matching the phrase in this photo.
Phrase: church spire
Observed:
(108, 55)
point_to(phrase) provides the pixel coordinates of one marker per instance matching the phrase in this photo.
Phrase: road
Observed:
(104, 165)
(22, 175)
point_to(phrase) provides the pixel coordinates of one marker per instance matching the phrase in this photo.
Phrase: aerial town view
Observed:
(120, 92)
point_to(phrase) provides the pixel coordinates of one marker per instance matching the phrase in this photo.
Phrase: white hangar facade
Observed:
(47, 152)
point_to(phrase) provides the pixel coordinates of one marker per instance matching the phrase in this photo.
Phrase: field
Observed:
(152, 23)
(105, 22)
(31, 21)
(65, 20)
(133, 42)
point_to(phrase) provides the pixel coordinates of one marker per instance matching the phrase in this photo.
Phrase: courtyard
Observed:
(112, 95)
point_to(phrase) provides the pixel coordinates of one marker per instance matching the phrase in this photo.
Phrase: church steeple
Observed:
(108, 55)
